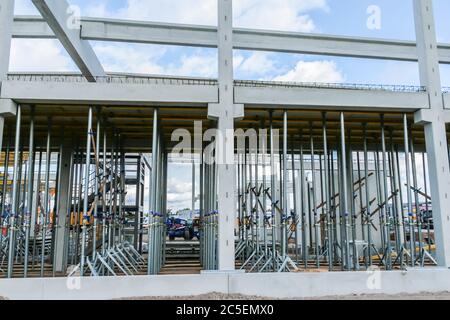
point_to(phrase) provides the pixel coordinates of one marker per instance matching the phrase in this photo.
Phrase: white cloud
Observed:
(185, 11)
(147, 59)
(197, 65)
(38, 55)
(395, 72)
(25, 7)
(119, 57)
(97, 8)
(237, 60)
(289, 15)
(313, 71)
(175, 185)
(179, 194)
(257, 64)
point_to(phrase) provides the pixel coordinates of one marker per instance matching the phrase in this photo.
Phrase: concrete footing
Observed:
(286, 285)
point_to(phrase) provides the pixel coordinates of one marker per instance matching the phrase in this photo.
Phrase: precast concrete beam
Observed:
(99, 29)
(62, 21)
(107, 93)
(31, 27)
(343, 99)
(53, 92)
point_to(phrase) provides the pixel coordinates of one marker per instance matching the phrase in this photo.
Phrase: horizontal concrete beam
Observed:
(48, 92)
(149, 32)
(107, 93)
(31, 27)
(272, 285)
(247, 39)
(341, 99)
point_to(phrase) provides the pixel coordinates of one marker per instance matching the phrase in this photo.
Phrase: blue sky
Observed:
(340, 17)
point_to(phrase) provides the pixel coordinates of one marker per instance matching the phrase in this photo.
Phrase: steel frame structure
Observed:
(332, 211)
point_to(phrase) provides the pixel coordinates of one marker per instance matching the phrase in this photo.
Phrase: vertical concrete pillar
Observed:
(63, 206)
(435, 132)
(6, 23)
(225, 112)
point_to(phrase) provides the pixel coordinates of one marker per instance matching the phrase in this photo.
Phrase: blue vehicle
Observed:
(181, 228)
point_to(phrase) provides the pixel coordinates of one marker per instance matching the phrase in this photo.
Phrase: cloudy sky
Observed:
(341, 17)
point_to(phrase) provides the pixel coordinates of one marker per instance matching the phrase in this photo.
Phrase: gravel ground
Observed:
(220, 296)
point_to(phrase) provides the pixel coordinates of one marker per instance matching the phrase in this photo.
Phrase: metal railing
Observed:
(320, 85)
(111, 79)
(446, 89)
(149, 80)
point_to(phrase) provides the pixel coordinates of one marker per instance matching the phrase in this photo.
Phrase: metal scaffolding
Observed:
(335, 204)
(329, 177)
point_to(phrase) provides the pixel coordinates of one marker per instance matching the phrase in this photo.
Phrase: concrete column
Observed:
(6, 23)
(435, 132)
(63, 209)
(225, 112)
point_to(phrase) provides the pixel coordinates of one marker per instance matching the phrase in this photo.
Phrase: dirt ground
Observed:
(220, 296)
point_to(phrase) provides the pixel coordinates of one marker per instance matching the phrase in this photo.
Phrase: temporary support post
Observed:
(86, 192)
(5, 184)
(193, 186)
(385, 196)
(305, 250)
(434, 120)
(104, 179)
(273, 191)
(29, 206)
(367, 216)
(153, 194)
(284, 240)
(412, 240)
(344, 197)
(45, 209)
(37, 206)
(13, 213)
(64, 208)
(97, 182)
(327, 193)
(315, 222)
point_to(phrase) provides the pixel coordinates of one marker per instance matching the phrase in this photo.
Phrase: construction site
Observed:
(298, 189)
